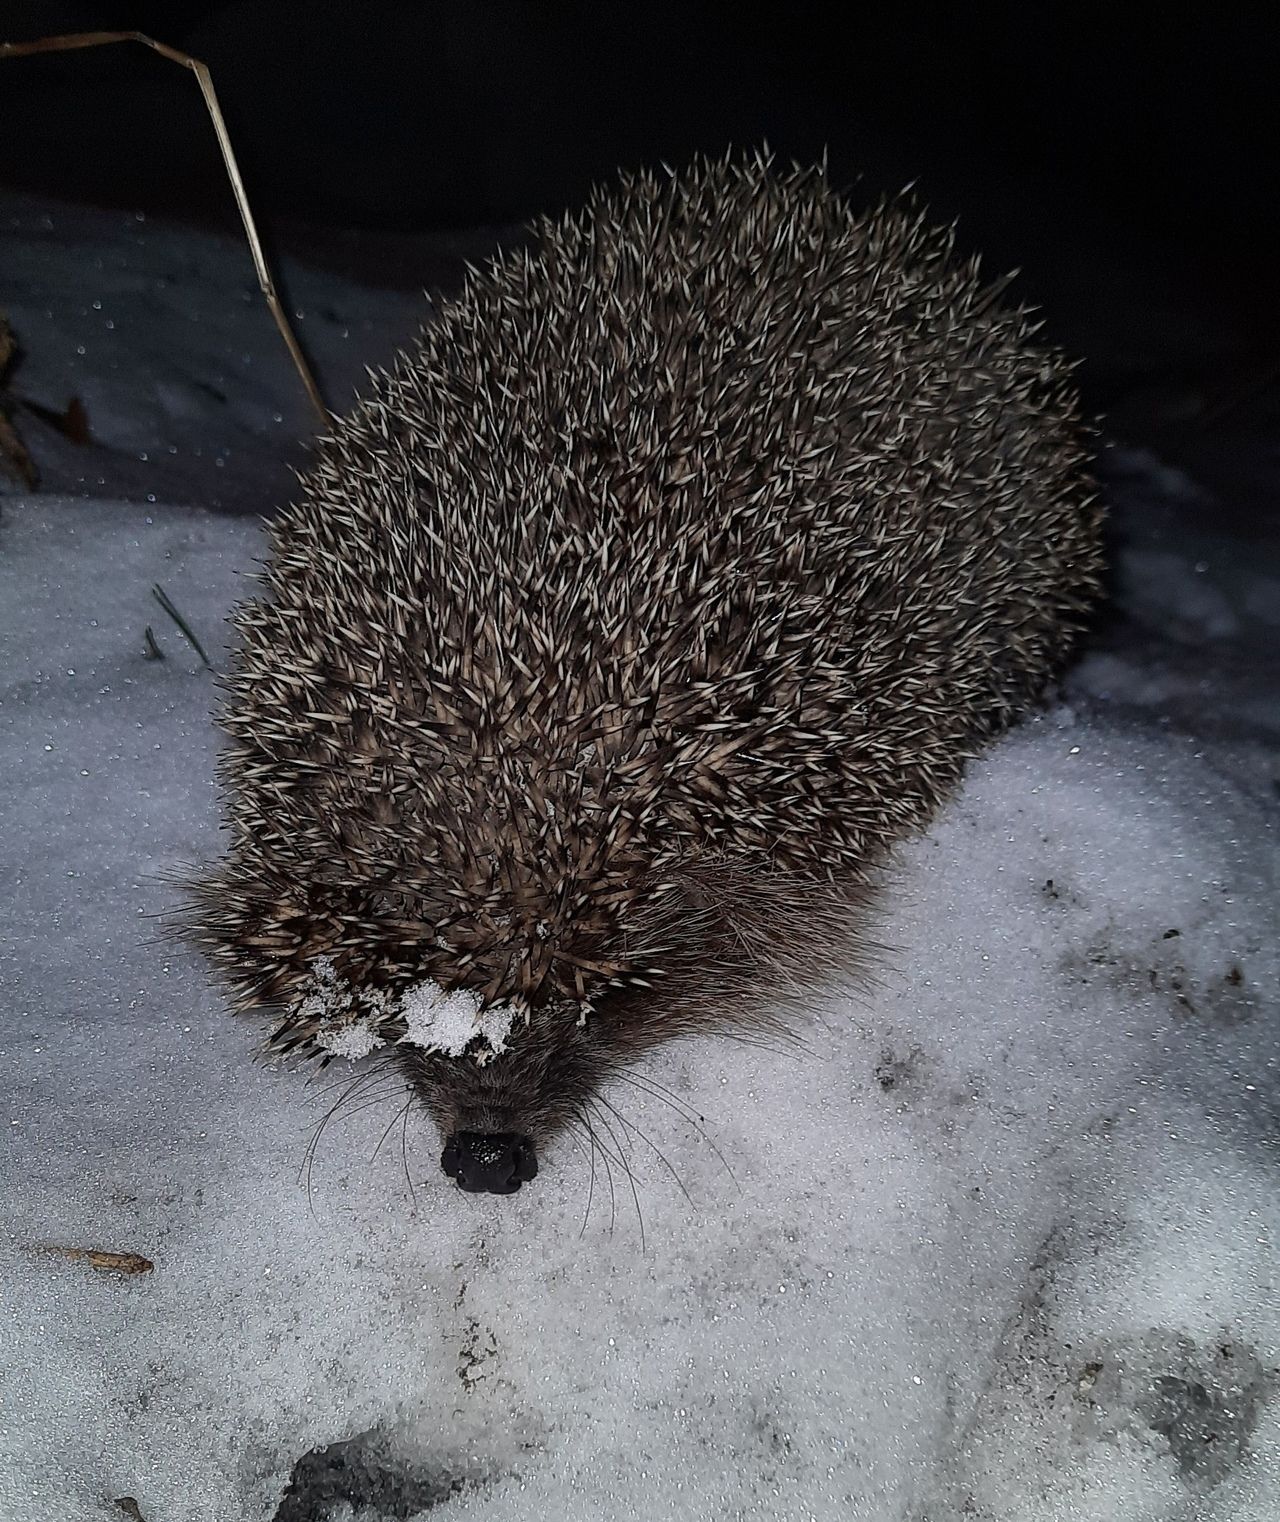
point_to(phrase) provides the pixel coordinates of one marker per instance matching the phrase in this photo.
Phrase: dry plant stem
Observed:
(266, 284)
(101, 1258)
(163, 598)
(14, 459)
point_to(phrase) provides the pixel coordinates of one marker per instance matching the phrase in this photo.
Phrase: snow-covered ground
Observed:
(1000, 1244)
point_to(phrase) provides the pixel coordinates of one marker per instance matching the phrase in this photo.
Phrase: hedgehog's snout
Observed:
(489, 1162)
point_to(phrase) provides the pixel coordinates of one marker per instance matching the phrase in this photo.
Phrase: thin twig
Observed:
(162, 597)
(73, 40)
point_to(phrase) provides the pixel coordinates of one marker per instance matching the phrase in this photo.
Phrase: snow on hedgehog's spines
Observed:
(675, 572)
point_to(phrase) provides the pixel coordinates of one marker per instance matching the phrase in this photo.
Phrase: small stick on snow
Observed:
(102, 1259)
(162, 597)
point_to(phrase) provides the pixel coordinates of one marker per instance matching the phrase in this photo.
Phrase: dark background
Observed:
(1155, 123)
(1121, 157)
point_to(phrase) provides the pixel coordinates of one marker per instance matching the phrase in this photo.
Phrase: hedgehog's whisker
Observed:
(575, 1127)
(309, 1155)
(626, 1168)
(631, 1126)
(660, 1091)
(368, 1101)
(348, 1089)
(362, 1094)
(404, 1155)
(373, 1157)
(638, 1082)
(742, 1037)
(379, 1070)
(356, 1087)
(608, 1171)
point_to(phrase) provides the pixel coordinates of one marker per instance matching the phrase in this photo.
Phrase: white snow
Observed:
(356, 1022)
(349, 1021)
(999, 1242)
(354, 1041)
(441, 1020)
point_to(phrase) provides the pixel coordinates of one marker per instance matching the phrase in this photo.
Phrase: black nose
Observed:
(495, 1163)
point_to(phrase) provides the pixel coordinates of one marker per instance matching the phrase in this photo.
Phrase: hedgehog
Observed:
(669, 577)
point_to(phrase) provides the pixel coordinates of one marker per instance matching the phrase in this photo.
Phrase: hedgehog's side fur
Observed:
(671, 576)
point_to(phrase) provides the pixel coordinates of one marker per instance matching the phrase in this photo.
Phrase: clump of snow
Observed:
(449, 1020)
(354, 1022)
(348, 1018)
(351, 1041)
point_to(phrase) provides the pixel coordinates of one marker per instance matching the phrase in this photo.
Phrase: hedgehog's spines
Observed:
(727, 519)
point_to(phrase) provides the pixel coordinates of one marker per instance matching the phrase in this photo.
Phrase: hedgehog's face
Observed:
(493, 1116)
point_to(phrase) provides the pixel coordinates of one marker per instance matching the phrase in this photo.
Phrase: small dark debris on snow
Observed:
(102, 1259)
(893, 1070)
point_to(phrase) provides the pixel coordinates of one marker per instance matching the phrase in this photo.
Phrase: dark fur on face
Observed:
(739, 952)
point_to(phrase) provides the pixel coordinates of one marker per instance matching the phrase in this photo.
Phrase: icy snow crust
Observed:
(1001, 1244)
